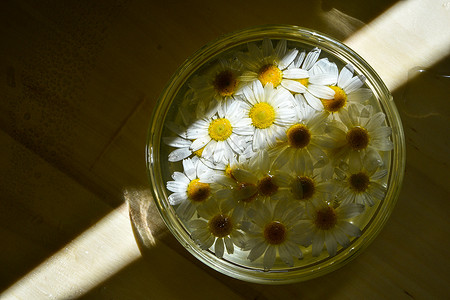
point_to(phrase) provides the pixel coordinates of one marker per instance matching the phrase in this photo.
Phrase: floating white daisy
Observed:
(273, 233)
(269, 110)
(191, 188)
(254, 183)
(306, 186)
(315, 85)
(360, 135)
(301, 143)
(328, 225)
(269, 65)
(217, 227)
(361, 184)
(348, 89)
(220, 82)
(223, 135)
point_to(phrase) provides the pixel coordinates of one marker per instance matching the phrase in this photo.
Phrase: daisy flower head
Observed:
(273, 233)
(192, 188)
(363, 185)
(220, 82)
(320, 74)
(348, 89)
(253, 183)
(269, 110)
(300, 144)
(223, 135)
(216, 226)
(269, 65)
(306, 186)
(360, 136)
(327, 225)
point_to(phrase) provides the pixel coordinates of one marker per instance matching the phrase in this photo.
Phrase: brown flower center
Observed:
(325, 218)
(338, 102)
(275, 233)
(220, 225)
(358, 138)
(303, 188)
(359, 182)
(198, 191)
(298, 136)
(266, 186)
(225, 83)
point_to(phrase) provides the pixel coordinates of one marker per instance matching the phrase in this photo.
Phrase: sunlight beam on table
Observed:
(94, 256)
(411, 34)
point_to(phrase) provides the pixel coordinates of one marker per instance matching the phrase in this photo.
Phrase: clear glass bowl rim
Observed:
(313, 38)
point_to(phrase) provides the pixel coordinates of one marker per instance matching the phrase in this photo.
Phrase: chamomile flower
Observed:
(192, 188)
(273, 233)
(216, 226)
(220, 82)
(315, 85)
(359, 136)
(329, 226)
(301, 143)
(269, 110)
(254, 183)
(269, 65)
(361, 185)
(306, 186)
(347, 90)
(223, 135)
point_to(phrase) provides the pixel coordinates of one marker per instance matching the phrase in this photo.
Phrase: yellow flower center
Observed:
(358, 138)
(338, 102)
(262, 115)
(298, 136)
(325, 218)
(225, 83)
(303, 188)
(270, 73)
(198, 191)
(266, 186)
(275, 233)
(220, 225)
(220, 129)
(359, 182)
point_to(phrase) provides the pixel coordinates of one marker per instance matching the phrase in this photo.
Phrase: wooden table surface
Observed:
(78, 82)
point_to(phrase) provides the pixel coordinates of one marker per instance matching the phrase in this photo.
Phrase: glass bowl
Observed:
(170, 110)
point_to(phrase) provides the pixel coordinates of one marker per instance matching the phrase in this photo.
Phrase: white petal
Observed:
(200, 143)
(348, 211)
(354, 84)
(314, 102)
(331, 244)
(345, 76)
(269, 257)
(295, 74)
(287, 59)
(322, 92)
(179, 154)
(177, 198)
(219, 248)
(257, 251)
(293, 86)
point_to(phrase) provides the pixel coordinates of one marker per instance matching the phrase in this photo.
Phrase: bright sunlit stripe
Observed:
(97, 254)
(411, 34)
